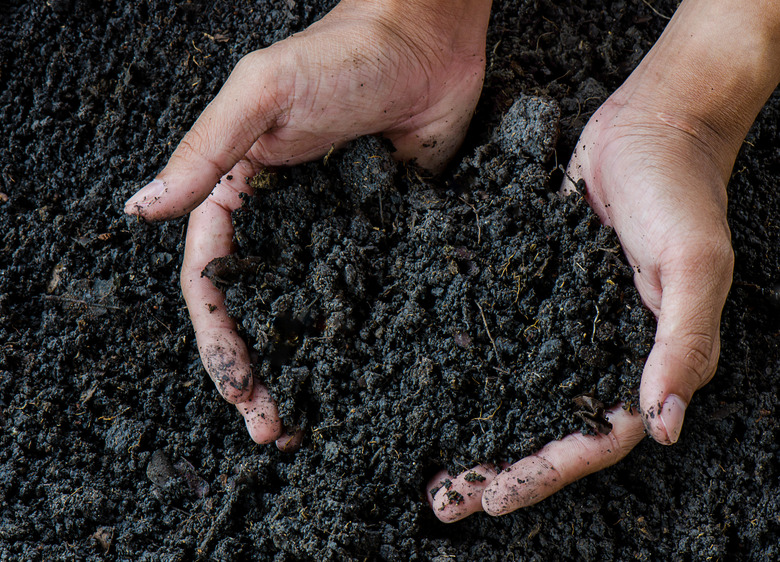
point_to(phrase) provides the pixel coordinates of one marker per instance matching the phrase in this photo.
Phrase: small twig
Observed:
(110, 418)
(596, 319)
(484, 321)
(493, 55)
(538, 39)
(160, 322)
(476, 214)
(490, 417)
(568, 176)
(324, 427)
(327, 156)
(656, 12)
(79, 301)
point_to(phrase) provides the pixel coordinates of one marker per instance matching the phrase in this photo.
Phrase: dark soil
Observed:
(407, 323)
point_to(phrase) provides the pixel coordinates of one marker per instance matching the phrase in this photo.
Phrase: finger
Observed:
(222, 135)
(435, 484)
(290, 442)
(222, 351)
(560, 463)
(456, 498)
(286, 442)
(261, 416)
(687, 342)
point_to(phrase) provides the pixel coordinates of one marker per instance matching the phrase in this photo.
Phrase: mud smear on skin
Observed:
(114, 443)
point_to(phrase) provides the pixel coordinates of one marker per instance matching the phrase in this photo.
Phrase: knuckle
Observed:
(723, 257)
(583, 444)
(617, 450)
(248, 62)
(188, 275)
(710, 248)
(699, 357)
(195, 149)
(193, 143)
(184, 277)
(194, 146)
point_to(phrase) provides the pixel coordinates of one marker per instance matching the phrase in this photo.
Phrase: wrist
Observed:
(451, 26)
(713, 68)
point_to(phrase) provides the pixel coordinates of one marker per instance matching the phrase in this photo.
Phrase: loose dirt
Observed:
(407, 323)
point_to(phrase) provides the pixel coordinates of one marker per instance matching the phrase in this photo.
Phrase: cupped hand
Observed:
(499, 490)
(655, 160)
(410, 71)
(649, 175)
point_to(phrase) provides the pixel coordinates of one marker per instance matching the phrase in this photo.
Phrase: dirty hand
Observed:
(410, 70)
(656, 158)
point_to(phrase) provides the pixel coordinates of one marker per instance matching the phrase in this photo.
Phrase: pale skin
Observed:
(655, 158)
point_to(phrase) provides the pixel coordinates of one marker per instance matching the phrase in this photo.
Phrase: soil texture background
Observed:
(407, 323)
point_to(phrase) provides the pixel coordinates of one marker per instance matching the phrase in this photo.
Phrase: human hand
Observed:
(409, 70)
(500, 490)
(655, 160)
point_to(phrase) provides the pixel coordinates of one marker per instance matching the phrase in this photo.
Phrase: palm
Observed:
(658, 186)
(339, 81)
(647, 179)
(655, 182)
(353, 73)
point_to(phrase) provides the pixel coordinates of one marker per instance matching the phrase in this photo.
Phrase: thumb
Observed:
(243, 110)
(687, 343)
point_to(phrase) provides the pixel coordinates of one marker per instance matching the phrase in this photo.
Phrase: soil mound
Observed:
(417, 314)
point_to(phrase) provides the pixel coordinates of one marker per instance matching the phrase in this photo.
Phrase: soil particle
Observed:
(454, 497)
(474, 477)
(160, 470)
(530, 127)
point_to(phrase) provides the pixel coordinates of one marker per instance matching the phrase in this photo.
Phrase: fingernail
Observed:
(672, 415)
(289, 442)
(284, 442)
(145, 197)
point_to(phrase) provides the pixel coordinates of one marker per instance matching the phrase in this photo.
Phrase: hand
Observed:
(500, 490)
(656, 158)
(409, 70)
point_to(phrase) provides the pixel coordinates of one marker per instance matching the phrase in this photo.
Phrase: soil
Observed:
(407, 323)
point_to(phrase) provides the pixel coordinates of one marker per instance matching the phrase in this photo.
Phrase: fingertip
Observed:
(450, 505)
(496, 499)
(664, 421)
(261, 416)
(144, 198)
(503, 497)
(457, 498)
(290, 442)
(490, 503)
(435, 484)
(262, 434)
(525, 483)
